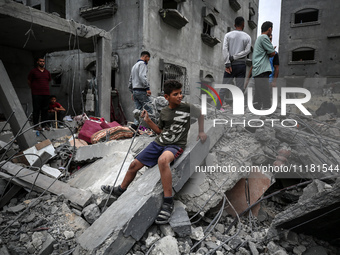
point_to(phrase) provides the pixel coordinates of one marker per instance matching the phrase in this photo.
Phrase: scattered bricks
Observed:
(180, 222)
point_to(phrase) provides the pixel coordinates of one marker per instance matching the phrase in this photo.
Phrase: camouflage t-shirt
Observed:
(175, 124)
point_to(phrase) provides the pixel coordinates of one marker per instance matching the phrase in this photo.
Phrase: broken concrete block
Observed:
(165, 245)
(69, 234)
(253, 248)
(166, 230)
(38, 238)
(152, 238)
(180, 222)
(100, 150)
(91, 213)
(31, 158)
(144, 198)
(322, 208)
(77, 196)
(47, 247)
(313, 188)
(107, 168)
(197, 233)
(75, 222)
(51, 171)
(274, 248)
(15, 209)
(40, 161)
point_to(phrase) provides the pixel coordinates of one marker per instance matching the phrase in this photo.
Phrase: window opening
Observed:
(307, 15)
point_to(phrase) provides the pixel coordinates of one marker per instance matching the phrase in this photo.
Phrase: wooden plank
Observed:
(77, 196)
(43, 144)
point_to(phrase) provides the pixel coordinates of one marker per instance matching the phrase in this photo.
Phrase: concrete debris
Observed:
(179, 221)
(317, 215)
(91, 213)
(164, 245)
(70, 217)
(79, 197)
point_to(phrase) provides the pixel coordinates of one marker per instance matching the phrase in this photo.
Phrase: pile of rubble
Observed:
(294, 213)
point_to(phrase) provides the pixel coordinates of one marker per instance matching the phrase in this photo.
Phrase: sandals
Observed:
(165, 214)
(115, 192)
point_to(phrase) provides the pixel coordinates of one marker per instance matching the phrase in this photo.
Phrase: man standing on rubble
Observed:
(236, 47)
(38, 81)
(263, 50)
(139, 85)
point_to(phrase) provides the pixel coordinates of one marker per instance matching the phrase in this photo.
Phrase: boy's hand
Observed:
(145, 115)
(202, 136)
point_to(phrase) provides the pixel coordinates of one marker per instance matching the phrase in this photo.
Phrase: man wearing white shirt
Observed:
(236, 47)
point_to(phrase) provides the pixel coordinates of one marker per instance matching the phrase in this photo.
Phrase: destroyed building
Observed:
(51, 200)
(309, 47)
(183, 37)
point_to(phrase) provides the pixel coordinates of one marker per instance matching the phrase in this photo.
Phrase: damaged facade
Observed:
(309, 49)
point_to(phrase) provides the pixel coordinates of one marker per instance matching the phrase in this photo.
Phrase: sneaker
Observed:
(117, 191)
(221, 109)
(164, 214)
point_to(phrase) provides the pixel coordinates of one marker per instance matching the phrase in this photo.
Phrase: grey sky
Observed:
(270, 10)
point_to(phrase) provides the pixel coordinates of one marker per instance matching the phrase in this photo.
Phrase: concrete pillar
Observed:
(104, 50)
(10, 102)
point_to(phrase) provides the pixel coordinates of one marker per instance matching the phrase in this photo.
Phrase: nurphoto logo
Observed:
(239, 104)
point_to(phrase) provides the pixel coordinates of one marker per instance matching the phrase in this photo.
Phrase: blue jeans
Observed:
(141, 102)
(239, 73)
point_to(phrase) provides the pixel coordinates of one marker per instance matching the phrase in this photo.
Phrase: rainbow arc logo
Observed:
(209, 93)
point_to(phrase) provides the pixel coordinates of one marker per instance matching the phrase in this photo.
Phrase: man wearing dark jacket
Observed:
(139, 86)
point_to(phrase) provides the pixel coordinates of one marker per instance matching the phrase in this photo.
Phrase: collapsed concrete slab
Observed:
(76, 196)
(103, 171)
(132, 214)
(220, 173)
(10, 103)
(317, 216)
(100, 150)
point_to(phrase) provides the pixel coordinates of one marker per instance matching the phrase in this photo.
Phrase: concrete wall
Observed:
(317, 35)
(18, 64)
(73, 77)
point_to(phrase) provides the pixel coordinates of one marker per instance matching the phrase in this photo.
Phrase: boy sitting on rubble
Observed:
(172, 131)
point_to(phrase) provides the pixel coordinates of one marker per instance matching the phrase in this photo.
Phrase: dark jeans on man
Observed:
(40, 106)
(262, 98)
(238, 72)
(142, 101)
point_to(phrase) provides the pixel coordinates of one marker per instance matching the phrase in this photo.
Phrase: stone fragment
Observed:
(180, 221)
(151, 240)
(91, 213)
(299, 249)
(165, 245)
(252, 247)
(197, 233)
(38, 238)
(24, 238)
(166, 230)
(47, 247)
(68, 234)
